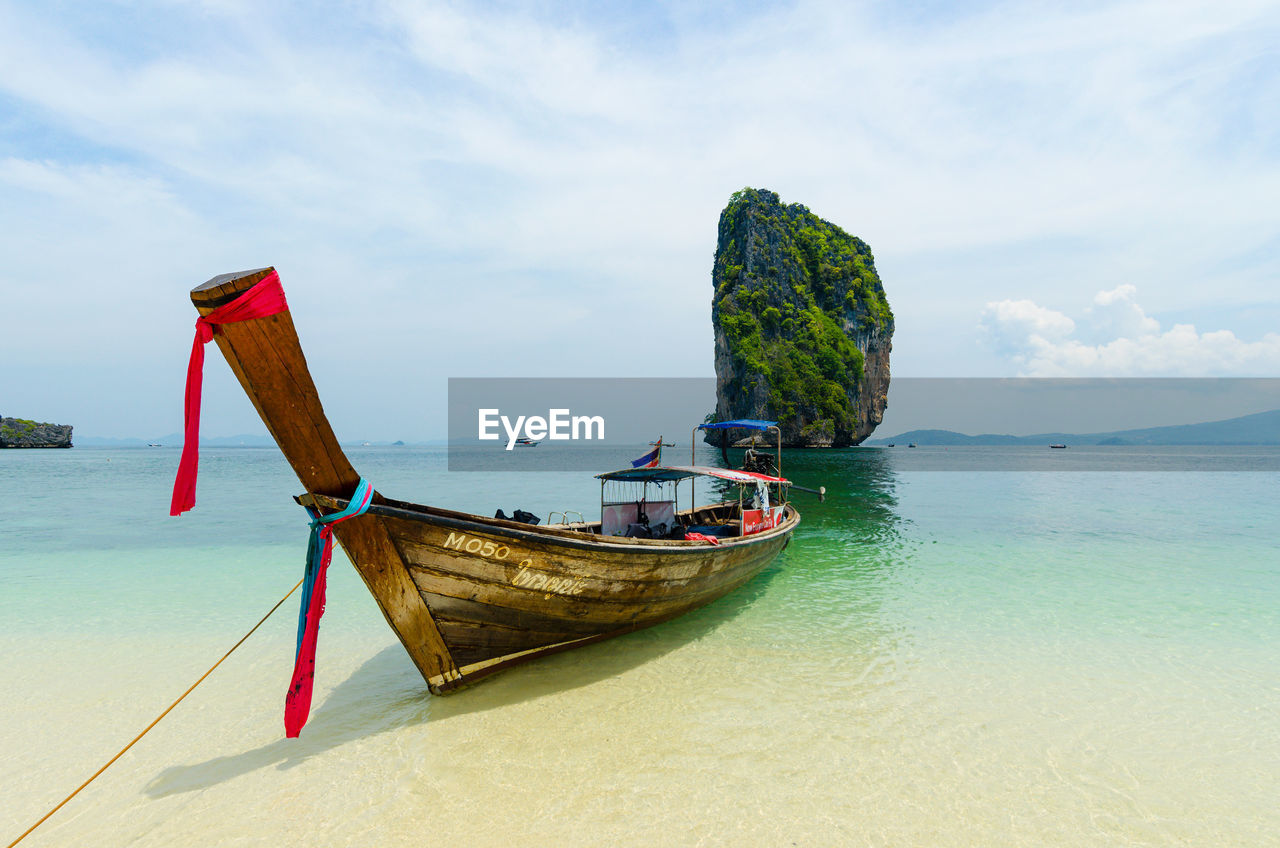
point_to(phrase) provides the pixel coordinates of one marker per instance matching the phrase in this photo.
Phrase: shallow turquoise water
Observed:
(939, 658)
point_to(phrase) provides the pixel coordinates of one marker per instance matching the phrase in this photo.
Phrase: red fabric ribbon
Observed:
(265, 298)
(297, 701)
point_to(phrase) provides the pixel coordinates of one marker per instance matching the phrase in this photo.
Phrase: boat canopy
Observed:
(680, 472)
(740, 423)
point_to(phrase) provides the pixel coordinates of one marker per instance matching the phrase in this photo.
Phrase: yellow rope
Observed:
(92, 777)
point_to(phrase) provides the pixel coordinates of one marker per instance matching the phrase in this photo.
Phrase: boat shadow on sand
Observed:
(386, 693)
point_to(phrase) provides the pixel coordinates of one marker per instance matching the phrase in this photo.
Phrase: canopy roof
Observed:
(680, 472)
(740, 423)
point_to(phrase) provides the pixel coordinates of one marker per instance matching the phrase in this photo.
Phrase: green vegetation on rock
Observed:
(797, 306)
(17, 428)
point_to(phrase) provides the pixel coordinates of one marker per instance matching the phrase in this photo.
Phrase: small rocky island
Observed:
(22, 433)
(803, 329)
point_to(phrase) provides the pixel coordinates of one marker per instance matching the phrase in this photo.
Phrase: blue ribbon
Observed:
(359, 503)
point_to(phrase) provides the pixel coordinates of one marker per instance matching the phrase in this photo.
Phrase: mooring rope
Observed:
(94, 776)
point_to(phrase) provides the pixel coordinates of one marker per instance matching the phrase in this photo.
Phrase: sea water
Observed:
(977, 657)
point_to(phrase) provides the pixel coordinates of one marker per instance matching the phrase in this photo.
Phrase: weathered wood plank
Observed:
(493, 641)
(465, 609)
(604, 612)
(589, 578)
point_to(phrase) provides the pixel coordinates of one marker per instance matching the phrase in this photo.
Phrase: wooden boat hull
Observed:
(465, 594)
(500, 592)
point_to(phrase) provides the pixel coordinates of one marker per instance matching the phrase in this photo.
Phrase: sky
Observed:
(532, 189)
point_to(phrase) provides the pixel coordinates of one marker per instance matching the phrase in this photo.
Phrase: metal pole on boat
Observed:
(779, 429)
(693, 460)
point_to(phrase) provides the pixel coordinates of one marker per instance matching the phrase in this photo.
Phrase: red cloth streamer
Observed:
(265, 298)
(297, 701)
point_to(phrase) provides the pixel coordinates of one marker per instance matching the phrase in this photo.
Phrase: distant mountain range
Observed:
(174, 440)
(1262, 428)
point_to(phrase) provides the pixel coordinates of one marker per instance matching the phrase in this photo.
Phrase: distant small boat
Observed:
(891, 445)
(1057, 446)
(913, 444)
(154, 445)
(522, 442)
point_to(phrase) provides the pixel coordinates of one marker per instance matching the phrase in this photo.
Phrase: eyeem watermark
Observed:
(581, 424)
(559, 425)
(953, 424)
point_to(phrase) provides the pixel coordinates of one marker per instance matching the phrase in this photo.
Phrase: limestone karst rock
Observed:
(802, 326)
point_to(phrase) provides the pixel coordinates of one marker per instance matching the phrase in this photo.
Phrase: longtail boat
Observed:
(469, 595)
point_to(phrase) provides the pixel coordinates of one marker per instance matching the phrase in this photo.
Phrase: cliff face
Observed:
(802, 326)
(21, 433)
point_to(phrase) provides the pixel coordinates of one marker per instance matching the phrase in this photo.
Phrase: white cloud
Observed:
(549, 163)
(1013, 324)
(1115, 314)
(1039, 341)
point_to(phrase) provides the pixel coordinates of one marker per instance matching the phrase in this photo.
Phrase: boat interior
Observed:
(720, 520)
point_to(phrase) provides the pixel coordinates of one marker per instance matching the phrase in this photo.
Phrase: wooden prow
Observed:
(267, 358)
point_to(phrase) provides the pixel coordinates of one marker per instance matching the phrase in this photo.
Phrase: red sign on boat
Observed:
(758, 520)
